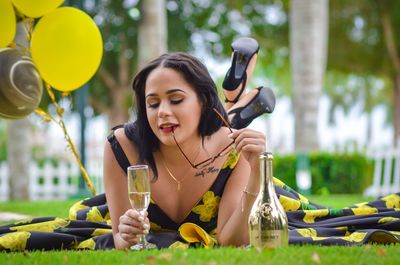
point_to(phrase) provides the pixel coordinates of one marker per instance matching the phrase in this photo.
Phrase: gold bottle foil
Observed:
(268, 225)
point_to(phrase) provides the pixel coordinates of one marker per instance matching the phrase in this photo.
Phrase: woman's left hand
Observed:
(250, 143)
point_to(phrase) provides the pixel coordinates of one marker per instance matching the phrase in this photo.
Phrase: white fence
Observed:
(53, 182)
(386, 172)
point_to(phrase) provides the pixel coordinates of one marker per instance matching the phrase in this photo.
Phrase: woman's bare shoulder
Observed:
(127, 145)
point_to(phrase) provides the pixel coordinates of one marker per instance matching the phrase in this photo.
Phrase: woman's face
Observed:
(171, 105)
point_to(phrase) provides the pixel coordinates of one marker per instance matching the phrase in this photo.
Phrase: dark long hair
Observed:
(196, 74)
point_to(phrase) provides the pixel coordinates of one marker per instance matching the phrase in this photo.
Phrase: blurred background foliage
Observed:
(358, 67)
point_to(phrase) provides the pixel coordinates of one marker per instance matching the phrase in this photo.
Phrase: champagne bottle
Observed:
(268, 225)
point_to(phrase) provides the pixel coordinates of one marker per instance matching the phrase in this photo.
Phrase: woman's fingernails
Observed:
(146, 226)
(230, 135)
(145, 232)
(140, 218)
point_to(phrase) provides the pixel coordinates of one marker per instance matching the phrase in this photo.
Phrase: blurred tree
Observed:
(109, 93)
(361, 49)
(390, 20)
(152, 35)
(19, 143)
(18, 158)
(308, 47)
(345, 90)
(207, 28)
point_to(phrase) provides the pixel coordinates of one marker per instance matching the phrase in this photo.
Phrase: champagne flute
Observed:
(139, 196)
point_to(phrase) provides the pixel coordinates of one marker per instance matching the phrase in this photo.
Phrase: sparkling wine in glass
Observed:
(139, 196)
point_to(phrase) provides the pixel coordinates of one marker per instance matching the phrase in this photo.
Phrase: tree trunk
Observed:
(152, 34)
(19, 143)
(308, 41)
(18, 158)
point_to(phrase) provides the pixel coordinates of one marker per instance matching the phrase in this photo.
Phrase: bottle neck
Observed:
(266, 176)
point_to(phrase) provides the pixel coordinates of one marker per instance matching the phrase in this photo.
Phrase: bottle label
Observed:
(272, 239)
(269, 239)
(271, 236)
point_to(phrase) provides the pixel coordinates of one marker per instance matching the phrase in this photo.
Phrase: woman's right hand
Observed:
(132, 225)
(251, 144)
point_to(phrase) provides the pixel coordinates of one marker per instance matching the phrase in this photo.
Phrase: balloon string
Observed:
(27, 24)
(47, 117)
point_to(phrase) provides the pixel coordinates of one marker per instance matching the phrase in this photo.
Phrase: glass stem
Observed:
(142, 240)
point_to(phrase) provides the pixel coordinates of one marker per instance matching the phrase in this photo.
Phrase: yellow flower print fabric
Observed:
(392, 201)
(89, 228)
(49, 226)
(14, 241)
(367, 222)
(231, 161)
(371, 222)
(209, 208)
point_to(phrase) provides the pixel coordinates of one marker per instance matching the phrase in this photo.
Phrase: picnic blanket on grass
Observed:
(89, 226)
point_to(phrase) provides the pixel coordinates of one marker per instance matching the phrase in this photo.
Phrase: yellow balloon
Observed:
(67, 48)
(7, 23)
(36, 8)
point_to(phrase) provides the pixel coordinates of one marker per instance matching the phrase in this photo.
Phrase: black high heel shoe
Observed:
(243, 50)
(263, 102)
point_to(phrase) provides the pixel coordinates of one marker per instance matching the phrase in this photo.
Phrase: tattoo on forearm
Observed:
(208, 170)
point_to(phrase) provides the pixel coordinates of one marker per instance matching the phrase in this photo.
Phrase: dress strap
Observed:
(117, 149)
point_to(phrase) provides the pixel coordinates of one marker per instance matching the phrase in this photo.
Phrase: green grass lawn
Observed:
(38, 208)
(367, 254)
(288, 255)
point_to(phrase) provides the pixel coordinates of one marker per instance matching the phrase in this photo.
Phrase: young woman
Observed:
(180, 123)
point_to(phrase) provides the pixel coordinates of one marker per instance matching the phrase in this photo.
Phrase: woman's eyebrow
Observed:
(171, 91)
(175, 90)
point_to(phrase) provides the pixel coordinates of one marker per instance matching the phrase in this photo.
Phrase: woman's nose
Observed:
(164, 109)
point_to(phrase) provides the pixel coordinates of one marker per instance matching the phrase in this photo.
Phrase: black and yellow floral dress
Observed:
(89, 225)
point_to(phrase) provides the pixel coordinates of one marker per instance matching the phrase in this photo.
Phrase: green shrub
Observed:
(330, 173)
(285, 169)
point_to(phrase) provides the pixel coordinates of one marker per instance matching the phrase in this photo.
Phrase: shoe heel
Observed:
(263, 102)
(243, 50)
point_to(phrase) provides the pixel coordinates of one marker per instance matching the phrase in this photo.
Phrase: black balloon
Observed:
(21, 86)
